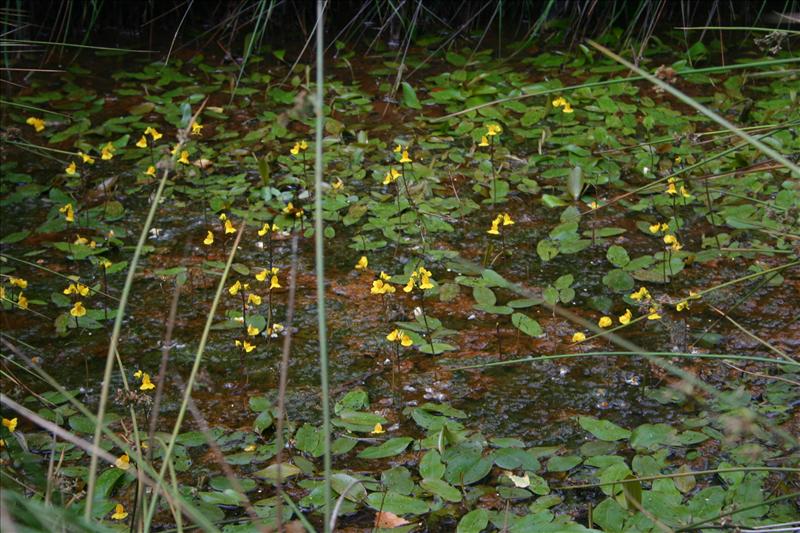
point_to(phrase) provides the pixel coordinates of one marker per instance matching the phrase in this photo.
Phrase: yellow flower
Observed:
(250, 448)
(391, 176)
(22, 301)
(274, 283)
(10, 424)
(425, 279)
(412, 281)
(142, 143)
(234, 289)
(682, 305)
(69, 214)
(670, 239)
(209, 240)
(72, 169)
(184, 158)
(384, 276)
(18, 282)
(119, 512)
(37, 123)
(2, 293)
(337, 185)
(653, 314)
(254, 299)
(362, 263)
(105, 263)
(252, 330)
(676, 246)
(275, 329)
(153, 133)
(558, 102)
(593, 205)
(86, 158)
(298, 147)
(107, 152)
(229, 227)
(123, 462)
(196, 128)
(484, 141)
(83, 290)
(78, 310)
(641, 294)
(567, 108)
(578, 337)
(604, 322)
(626, 318)
(684, 192)
(398, 335)
(493, 129)
(151, 171)
(381, 287)
(146, 383)
(397, 149)
(246, 346)
(138, 374)
(262, 276)
(405, 158)
(377, 430)
(495, 229)
(507, 220)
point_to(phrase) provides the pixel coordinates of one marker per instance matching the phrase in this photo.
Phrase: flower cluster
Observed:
(380, 285)
(420, 278)
(144, 377)
(503, 219)
(563, 104)
(399, 336)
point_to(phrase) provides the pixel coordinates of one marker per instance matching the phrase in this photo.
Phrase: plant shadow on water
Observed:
(474, 225)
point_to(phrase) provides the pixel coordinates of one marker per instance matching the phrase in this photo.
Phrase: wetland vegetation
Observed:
(511, 267)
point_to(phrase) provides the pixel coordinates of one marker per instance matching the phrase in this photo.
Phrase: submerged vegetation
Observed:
(420, 271)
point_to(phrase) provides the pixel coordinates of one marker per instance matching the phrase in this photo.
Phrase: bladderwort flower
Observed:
(86, 158)
(234, 289)
(37, 123)
(420, 278)
(405, 158)
(72, 169)
(252, 330)
(184, 158)
(107, 152)
(119, 512)
(298, 147)
(290, 209)
(399, 336)
(673, 242)
(503, 219)
(380, 285)
(391, 176)
(151, 171)
(653, 314)
(152, 132)
(658, 227)
(377, 429)
(244, 345)
(229, 227)
(578, 337)
(253, 298)
(76, 288)
(10, 424)
(209, 240)
(604, 322)
(563, 104)
(362, 263)
(671, 190)
(18, 282)
(142, 143)
(68, 212)
(146, 383)
(484, 141)
(22, 301)
(197, 128)
(123, 462)
(640, 295)
(626, 318)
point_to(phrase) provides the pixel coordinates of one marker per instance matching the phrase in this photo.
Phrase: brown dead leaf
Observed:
(385, 519)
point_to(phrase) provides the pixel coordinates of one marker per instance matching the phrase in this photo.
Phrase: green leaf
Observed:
(618, 256)
(389, 448)
(652, 436)
(271, 472)
(442, 489)
(618, 280)
(474, 521)
(603, 429)
(575, 183)
(397, 503)
(484, 296)
(553, 201)
(562, 463)
(345, 482)
(431, 466)
(527, 325)
(410, 96)
(546, 249)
